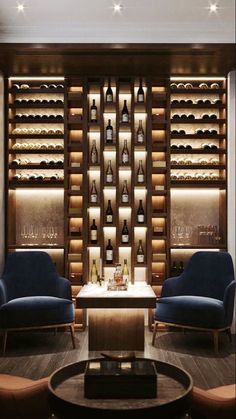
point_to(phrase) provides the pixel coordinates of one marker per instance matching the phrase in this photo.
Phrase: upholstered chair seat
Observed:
(33, 295)
(201, 298)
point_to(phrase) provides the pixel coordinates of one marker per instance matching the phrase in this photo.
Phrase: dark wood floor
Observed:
(35, 355)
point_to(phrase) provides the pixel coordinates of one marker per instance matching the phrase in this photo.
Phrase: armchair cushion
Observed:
(191, 311)
(36, 311)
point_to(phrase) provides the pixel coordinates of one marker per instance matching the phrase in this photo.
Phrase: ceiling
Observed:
(94, 21)
(149, 37)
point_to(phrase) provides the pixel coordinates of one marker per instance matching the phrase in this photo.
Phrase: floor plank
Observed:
(35, 354)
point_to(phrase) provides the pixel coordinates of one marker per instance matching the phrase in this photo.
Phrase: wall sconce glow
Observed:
(213, 8)
(117, 8)
(20, 7)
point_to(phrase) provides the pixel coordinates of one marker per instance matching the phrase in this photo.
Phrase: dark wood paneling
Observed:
(117, 59)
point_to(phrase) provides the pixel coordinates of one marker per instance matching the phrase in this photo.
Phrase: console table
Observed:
(174, 388)
(116, 318)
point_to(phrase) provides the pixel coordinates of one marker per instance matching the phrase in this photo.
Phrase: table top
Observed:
(174, 387)
(138, 295)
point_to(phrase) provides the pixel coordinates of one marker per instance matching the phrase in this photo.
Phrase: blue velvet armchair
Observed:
(201, 298)
(33, 295)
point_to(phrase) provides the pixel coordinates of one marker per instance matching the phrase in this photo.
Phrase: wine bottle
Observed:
(109, 133)
(93, 193)
(93, 112)
(125, 113)
(140, 212)
(140, 253)
(94, 272)
(125, 154)
(174, 269)
(140, 93)
(125, 272)
(181, 267)
(109, 213)
(93, 233)
(94, 153)
(140, 133)
(109, 173)
(125, 233)
(109, 252)
(125, 193)
(140, 173)
(109, 93)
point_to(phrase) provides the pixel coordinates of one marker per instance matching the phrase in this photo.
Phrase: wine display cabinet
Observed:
(107, 170)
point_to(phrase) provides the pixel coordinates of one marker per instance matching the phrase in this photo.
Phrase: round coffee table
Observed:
(174, 388)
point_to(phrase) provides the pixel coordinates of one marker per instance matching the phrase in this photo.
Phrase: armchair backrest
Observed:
(207, 274)
(29, 273)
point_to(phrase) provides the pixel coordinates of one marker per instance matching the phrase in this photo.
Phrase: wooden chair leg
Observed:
(216, 341)
(228, 331)
(72, 333)
(4, 342)
(154, 333)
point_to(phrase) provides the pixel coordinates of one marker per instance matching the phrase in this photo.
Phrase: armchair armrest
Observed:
(228, 302)
(171, 287)
(64, 288)
(3, 296)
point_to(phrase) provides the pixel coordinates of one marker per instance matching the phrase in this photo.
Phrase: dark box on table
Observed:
(108, 379)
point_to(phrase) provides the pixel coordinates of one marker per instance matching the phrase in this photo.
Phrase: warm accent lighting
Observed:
(13, 78)
(196, 78)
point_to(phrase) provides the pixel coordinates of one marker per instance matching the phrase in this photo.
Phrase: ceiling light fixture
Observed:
(117, 8)
(213, 8)
(20, 7)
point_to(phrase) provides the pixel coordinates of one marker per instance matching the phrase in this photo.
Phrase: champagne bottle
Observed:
(125, 154)
(140, 133)
(109, 252)
(140, 212)
(140, 173)
(140, 253)
(125, 233)
(109, 133)
(109, 93)
(94, 153)
(93, 112)
(93, 233)
(93, 193)
(140, 94)
(125, 193)
(94, 272)
(125, 272)
(125, 113)
(109, 173)
(109, 213)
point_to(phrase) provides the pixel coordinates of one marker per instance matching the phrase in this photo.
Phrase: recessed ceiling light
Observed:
(213, 8)
(20, 7)
(117, 7)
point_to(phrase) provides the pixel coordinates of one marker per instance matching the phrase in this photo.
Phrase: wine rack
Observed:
(198, 166)
(91, 159)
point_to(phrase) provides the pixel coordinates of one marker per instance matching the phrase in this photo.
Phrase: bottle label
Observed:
(93, 114)
(125, 238)
(109, 255)
(109, 218)
(109, 133)
(125, 158)
(109, 97)
(140, 218)
(94, 158)
(93, 198)
(125, 198)
(140, 97)
(140, 178)
(140, 138)
(140, 258)
(125, 117)
(94, 235)
(109, 178)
